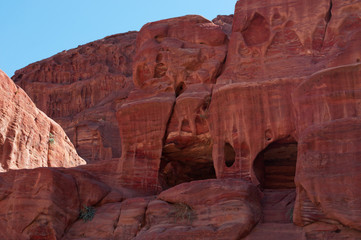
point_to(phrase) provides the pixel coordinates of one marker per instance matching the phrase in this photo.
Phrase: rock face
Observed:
(81, 88)
(208, 209)
(28, 138)
(244, 127)
(305, 36)
(176, 62)
(329, 143)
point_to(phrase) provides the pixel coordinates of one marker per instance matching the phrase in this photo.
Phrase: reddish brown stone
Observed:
(281, 115)
(28, 138)
(39, 203)
(329, 144)
(81, 88)
(171, 55)
(207, 209)
(225, 22)
(291, 39)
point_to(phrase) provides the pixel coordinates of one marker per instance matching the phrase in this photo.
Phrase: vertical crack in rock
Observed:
(329, 13)
(328, 17)
(143, 220)
(165, 139)
(167, 125)
(168, 122)
(222, 67)
(67, 228)
(34, 220)
(115, 225)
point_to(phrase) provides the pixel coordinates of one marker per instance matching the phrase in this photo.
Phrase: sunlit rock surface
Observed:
(246, 126)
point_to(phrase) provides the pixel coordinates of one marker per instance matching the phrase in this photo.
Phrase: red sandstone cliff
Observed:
(28, 138)
(265, 114)
(81, 88)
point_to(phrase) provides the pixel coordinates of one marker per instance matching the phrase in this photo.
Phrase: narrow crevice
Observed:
(222, 67)
(168, 123)
(180, 162)
(180, 89)
(164, 141)
(329, 13)
(328, 17)
(144, 221)
(67, 228)
(144, 218)
(115, 225)
(36, 218)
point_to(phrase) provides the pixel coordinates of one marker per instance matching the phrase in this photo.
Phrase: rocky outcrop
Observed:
(305, 36)
(172, 56)
(28, 138)
(81, 88)
(329, 143)
(42, 203)
(208, 209)
(239, 132)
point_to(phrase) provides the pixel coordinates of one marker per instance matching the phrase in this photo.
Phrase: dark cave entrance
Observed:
(275, 166)
(275, 169)
(179, 165)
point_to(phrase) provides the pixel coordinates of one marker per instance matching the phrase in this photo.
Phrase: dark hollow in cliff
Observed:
(275, 166)
(176, 170)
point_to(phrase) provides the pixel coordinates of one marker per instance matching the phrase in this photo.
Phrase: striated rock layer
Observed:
(172, 57)
(241, 131)
(81, 88)
(28, 138)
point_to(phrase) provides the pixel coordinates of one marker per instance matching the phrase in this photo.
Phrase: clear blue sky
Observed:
(32, 30)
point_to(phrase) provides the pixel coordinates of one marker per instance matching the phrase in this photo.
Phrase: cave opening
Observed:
(275, 169)
(186, 164)
(275, 166)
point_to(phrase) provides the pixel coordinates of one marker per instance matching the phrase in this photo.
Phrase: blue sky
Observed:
(32, 30)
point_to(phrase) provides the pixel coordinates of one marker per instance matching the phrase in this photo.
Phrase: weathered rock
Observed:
(329, 144)
(28, 138)
(171, 55)
(81, 88)
(225, 21)
(179, 51)
(188, 144)
(207, 209)
(282, 114)
(120, 220)
(142, 144)
(244, 119)
(42, 203)
(305, 36)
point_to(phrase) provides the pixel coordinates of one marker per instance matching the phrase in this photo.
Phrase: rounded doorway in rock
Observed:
(275, 169)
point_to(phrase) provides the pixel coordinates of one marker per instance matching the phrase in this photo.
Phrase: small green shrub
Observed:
(87, 213)
(51, 138)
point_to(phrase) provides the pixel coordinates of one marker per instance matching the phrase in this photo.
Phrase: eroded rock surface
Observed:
(271, 105)
(172, 56)
(207, 209)
(81, 88)
(28, 138)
